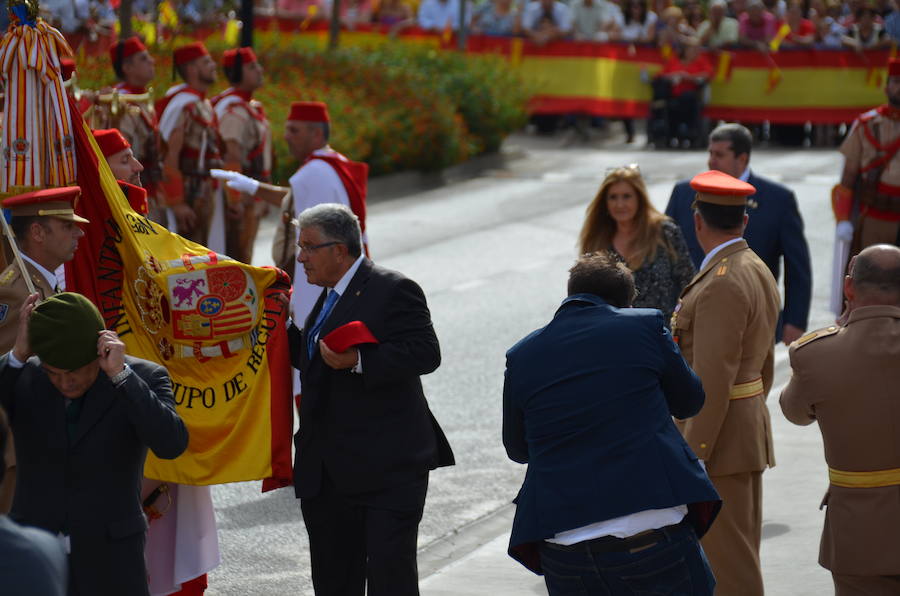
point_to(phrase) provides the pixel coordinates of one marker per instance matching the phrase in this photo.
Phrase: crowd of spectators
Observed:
(766, 25)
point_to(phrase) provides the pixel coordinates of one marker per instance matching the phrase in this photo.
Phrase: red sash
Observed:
(355, 177)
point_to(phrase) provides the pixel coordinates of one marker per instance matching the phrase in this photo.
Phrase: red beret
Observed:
(894, 67)
(309, 111)
(349, 335)
(51, 202)
(67, 68)
(189, 53)
(130, 47)
(111, 141)
(721, 189)
(229, 57)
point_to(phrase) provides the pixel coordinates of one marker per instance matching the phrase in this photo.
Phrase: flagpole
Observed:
(7, 231)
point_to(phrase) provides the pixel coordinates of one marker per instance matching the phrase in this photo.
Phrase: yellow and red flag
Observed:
(35, 129)
(780, 36)
(217, 325)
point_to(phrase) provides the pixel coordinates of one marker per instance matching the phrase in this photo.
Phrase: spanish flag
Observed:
(780, 36)
(216, 324)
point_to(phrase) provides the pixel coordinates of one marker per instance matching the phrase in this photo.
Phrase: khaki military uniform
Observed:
(136, 120)
(872, 147)
(200, 152)
(724, 324)
(245, 123)
(848, 380)
(13, 293)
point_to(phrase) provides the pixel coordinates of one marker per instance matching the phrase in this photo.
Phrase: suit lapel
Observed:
(349, 299)
(99, 399)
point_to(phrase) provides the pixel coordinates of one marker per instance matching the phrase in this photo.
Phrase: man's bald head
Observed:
(874, 278)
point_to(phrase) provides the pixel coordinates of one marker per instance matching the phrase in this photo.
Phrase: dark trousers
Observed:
(676, 565)
(368, 538)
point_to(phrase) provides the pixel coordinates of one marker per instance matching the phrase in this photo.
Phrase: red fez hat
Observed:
(349, 335)
(189, 53)
(309, 111)
(136, 196)
(230, 56)
(129, 47)
(721, 189)
(67, 68)
(111, 141)
(52, 202)
(894, 67)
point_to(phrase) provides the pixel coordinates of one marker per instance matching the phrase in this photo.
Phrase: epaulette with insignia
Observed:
(815, 335)
(723, 267)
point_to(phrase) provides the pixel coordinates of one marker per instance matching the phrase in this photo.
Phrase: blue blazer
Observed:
(775, 230)
(588, 403)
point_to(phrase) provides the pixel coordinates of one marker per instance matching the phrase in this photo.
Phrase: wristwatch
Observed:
(119, 378)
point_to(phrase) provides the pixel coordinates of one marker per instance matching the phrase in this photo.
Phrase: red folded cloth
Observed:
(349, 335)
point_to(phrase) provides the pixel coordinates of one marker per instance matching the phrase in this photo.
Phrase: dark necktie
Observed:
(73, 413)
(330, 299)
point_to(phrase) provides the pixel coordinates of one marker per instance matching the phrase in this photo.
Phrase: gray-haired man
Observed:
(367, 439)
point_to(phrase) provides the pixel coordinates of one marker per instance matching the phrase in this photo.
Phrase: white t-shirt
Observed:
(434, 14)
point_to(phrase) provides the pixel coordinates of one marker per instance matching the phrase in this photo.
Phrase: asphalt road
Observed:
(492, 255)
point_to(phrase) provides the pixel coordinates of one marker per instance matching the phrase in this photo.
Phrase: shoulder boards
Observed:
(9, 275)
(815, 335)
(722, 269)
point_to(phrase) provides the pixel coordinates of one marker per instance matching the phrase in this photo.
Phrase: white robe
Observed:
(314, 183)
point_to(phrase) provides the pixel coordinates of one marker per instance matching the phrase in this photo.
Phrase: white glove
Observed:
(236, 181)
(844, 231)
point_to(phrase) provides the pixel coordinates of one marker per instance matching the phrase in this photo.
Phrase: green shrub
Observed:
(396, 106)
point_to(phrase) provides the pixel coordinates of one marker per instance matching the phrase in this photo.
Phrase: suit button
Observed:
(702, 445)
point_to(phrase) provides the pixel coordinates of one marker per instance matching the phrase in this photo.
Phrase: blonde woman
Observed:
(622, 221)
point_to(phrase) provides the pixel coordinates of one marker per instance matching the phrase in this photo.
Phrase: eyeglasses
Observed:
(310, 248)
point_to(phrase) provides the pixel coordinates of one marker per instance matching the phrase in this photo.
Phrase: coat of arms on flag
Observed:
(212, 305)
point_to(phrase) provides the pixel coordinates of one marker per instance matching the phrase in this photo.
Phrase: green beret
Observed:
(63, 331)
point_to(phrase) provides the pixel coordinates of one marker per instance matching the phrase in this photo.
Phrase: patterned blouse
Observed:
(659, 281)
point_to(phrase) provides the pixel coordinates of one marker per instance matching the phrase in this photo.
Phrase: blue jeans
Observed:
(674, 566)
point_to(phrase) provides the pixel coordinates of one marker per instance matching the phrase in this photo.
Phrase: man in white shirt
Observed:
(440, 15)
(596, 20)
(718, 30)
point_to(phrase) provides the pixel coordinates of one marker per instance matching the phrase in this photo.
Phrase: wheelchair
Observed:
(676, 121)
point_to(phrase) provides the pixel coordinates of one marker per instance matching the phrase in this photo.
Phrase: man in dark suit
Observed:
(775, 229)
(84, 415)
(613, 496)
(367, 438)
(32, 561)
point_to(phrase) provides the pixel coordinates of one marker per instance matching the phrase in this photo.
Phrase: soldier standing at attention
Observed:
(867, 201)
(846, 379)
(187, 126)
(247, 136)
(724, 324)
(131, 111)
(47, 233)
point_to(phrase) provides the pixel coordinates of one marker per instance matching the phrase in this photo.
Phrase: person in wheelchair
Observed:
(678, 97)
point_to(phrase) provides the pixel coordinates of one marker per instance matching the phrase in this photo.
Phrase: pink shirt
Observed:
(765, 31)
